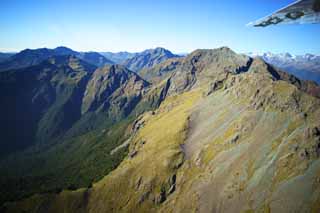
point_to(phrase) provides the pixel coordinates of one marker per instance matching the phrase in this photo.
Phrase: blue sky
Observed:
(135, 25)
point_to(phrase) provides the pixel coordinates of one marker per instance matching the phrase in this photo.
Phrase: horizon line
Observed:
(15, 51)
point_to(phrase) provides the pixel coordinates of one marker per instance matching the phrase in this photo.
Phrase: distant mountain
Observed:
(118, 57)
(306, 67)
(148, 58)
(30, 57)
(183, 54)
(5, 56)
(94, 58)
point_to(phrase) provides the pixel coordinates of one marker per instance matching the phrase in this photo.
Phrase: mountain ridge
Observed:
(148, 58)
(217, 107)
(29, 57)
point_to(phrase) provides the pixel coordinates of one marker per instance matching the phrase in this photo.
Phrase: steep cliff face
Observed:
(231, 136)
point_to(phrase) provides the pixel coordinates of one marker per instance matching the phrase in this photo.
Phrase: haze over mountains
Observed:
(213, 131)
(119, 57)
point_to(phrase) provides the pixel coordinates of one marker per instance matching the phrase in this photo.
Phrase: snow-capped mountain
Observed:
(306, 67)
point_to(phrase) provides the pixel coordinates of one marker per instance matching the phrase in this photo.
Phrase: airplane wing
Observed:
(299, 12)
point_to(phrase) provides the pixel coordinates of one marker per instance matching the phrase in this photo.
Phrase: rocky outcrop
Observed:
(203, 66)
(210, 68)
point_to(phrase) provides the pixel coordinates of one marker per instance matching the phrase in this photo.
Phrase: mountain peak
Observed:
(220, 50)
(161, 49)
(203, 65)
(149, 58)
(225, 48)
(35, 51)
(64, 50)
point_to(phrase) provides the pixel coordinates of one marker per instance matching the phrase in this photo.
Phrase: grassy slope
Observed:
(250, 159)
(157, 144)
(148, 176)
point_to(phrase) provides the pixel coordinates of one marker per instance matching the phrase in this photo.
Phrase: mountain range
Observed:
(30, 57)
(306, 67)
(4, 56)
(213, 131)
